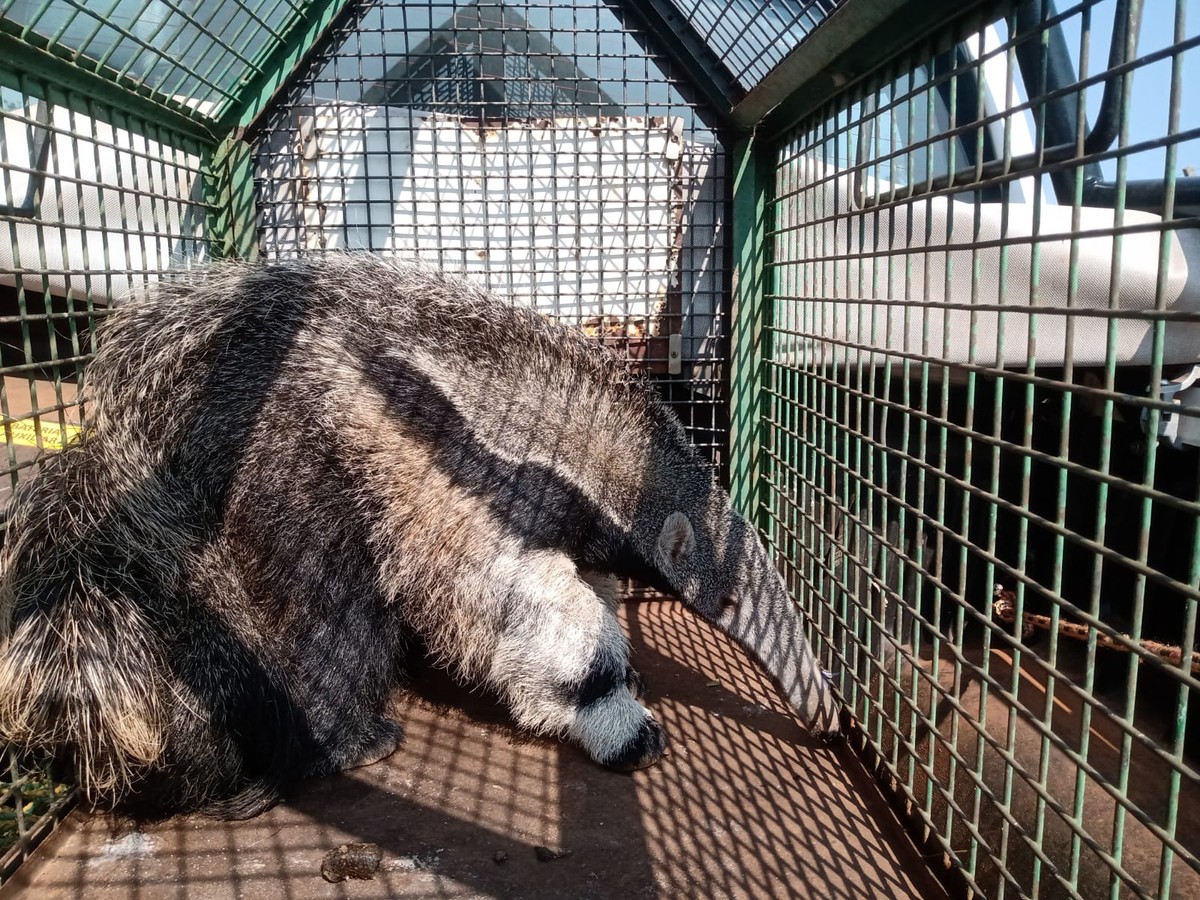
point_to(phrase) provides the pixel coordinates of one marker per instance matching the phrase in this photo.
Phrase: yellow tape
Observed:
(54, 435)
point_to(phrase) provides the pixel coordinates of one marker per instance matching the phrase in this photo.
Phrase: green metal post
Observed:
(229, 192)
(751, 299)
(256, 94)
(229, 170)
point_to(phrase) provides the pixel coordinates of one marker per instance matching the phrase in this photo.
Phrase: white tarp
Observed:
(956, 281)
(114, 212)
(577, 217)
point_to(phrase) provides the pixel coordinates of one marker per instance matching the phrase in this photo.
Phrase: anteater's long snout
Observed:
(767, 623)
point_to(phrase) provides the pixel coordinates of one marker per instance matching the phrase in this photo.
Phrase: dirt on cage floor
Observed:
(745, 805)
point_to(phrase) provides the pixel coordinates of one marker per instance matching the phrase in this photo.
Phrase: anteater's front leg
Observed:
(555, 651)
(608, 589)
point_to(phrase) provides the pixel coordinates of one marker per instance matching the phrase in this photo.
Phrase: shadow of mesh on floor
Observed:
(745, 805)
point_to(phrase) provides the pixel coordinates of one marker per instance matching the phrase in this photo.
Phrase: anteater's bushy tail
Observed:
(80, 678)
(83, 686)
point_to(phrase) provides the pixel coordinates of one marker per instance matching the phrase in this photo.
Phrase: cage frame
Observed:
(834, 58)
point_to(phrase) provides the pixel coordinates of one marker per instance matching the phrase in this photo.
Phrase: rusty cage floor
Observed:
(745, 805)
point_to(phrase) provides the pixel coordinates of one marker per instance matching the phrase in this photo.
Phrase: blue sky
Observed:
(1152, 84)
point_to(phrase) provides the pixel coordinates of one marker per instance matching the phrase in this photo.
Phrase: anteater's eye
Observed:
(728, 601)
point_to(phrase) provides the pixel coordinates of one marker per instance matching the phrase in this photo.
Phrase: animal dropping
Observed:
(291, 471)
(359, 861)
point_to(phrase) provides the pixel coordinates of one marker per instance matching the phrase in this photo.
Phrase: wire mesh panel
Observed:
(543, 148)
(753, 36)
(31, 803)
(980, 454)
(94, 203)
(196, 51)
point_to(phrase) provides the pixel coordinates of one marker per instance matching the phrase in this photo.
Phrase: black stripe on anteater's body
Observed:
(291, 467)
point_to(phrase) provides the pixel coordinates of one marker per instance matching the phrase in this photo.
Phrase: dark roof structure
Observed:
(488, 63)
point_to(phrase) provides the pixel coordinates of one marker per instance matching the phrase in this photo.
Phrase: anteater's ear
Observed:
(676, 540)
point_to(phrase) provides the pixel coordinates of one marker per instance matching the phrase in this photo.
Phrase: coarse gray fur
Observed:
(293, 470)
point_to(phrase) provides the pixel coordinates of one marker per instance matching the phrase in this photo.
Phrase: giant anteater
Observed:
(290, 472)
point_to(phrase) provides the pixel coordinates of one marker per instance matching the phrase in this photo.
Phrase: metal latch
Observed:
(675, 354)
(1173, 427)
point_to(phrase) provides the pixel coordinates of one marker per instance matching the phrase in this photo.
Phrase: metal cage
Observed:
(548, 150)
(977, 460)
(100, 195)
(919, 278)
